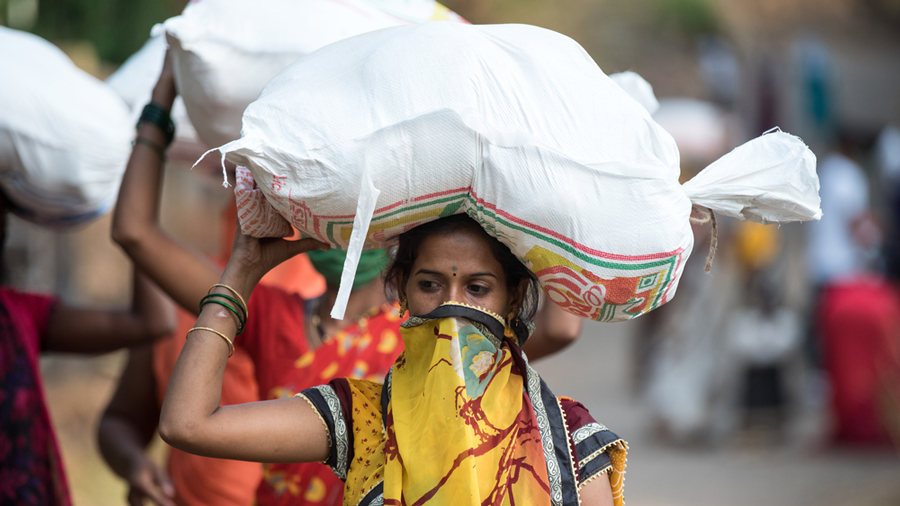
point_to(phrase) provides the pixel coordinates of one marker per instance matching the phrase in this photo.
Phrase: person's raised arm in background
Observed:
(182, 272)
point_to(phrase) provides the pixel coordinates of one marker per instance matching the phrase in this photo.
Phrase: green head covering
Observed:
(330, 264)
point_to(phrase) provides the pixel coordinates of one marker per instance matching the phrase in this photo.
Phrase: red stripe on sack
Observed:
(565, 239)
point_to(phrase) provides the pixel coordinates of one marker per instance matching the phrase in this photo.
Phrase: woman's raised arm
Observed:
(283, 430)
(183, 273)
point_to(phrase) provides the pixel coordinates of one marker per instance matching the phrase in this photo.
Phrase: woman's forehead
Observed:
(465, 249)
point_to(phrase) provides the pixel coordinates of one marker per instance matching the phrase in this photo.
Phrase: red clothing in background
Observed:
(275, 338)
(860, 329)
(31, 471)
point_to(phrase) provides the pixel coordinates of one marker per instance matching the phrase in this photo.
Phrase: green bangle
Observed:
(235, 302)
(227, 306)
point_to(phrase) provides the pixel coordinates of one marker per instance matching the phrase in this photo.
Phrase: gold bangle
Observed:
(232, 290)
(214, 331)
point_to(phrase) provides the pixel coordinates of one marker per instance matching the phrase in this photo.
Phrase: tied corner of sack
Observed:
(230, 152)
(756, 181)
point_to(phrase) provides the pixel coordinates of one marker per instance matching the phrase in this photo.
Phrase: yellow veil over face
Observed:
(460, 426)
(462, 419)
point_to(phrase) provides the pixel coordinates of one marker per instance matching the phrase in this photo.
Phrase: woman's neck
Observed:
(359, 303)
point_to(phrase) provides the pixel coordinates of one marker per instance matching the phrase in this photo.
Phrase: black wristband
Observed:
(154, 114)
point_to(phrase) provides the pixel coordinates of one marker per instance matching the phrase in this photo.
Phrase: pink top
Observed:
(30, 465)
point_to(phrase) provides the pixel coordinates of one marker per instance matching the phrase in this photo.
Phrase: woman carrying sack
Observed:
(462, 419)
(294, 346)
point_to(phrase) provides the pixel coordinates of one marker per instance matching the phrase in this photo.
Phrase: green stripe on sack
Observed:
(608, 311)
(329, 231)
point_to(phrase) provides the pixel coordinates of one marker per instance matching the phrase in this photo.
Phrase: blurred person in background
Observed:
(682, 349)
(859, 326)
(720, 69)
(816, 65)
(843, 244)
(31, 467)
(888, 158)
(857, 313)
(293, 343)
(142, 386)
(677, 352)
(764, 338)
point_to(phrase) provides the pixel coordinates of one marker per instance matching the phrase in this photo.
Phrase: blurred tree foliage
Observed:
(692, 17)
(117, 28)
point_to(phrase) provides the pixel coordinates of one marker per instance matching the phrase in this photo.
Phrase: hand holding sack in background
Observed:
(65, 136)
(517, 127)
(225, 51)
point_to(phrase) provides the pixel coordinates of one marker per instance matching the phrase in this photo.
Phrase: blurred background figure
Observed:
(682, 347)
(859, 328)
(857, 316)
(32, 324)
(845, 242)
(61, 146)
(887, 154)
(816, 65)
(764, 338)
(720, 69)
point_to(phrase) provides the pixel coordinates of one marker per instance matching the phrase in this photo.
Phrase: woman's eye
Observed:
(478, 289)
(428, 285)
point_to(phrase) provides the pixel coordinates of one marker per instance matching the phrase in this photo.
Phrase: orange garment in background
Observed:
(201, 481)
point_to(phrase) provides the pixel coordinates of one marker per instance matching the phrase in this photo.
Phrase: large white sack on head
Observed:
(65, 136)
(514, 125)
(135, 79)
(225, 51)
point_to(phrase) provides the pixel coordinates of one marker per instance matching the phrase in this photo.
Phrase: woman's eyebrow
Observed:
(439, 273)
(427, 271)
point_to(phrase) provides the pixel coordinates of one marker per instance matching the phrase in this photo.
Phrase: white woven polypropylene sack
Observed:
(514, 125)
(225, 51)
(65, 136)
(134, 80)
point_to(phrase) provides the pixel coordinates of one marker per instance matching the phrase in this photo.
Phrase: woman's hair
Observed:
(398, 271)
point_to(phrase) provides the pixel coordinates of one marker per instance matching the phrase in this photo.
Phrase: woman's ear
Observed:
(399, 283)
(517, 297)
(400, 286)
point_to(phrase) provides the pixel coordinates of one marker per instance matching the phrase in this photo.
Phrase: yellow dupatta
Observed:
(460, 426)
(462, 419)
